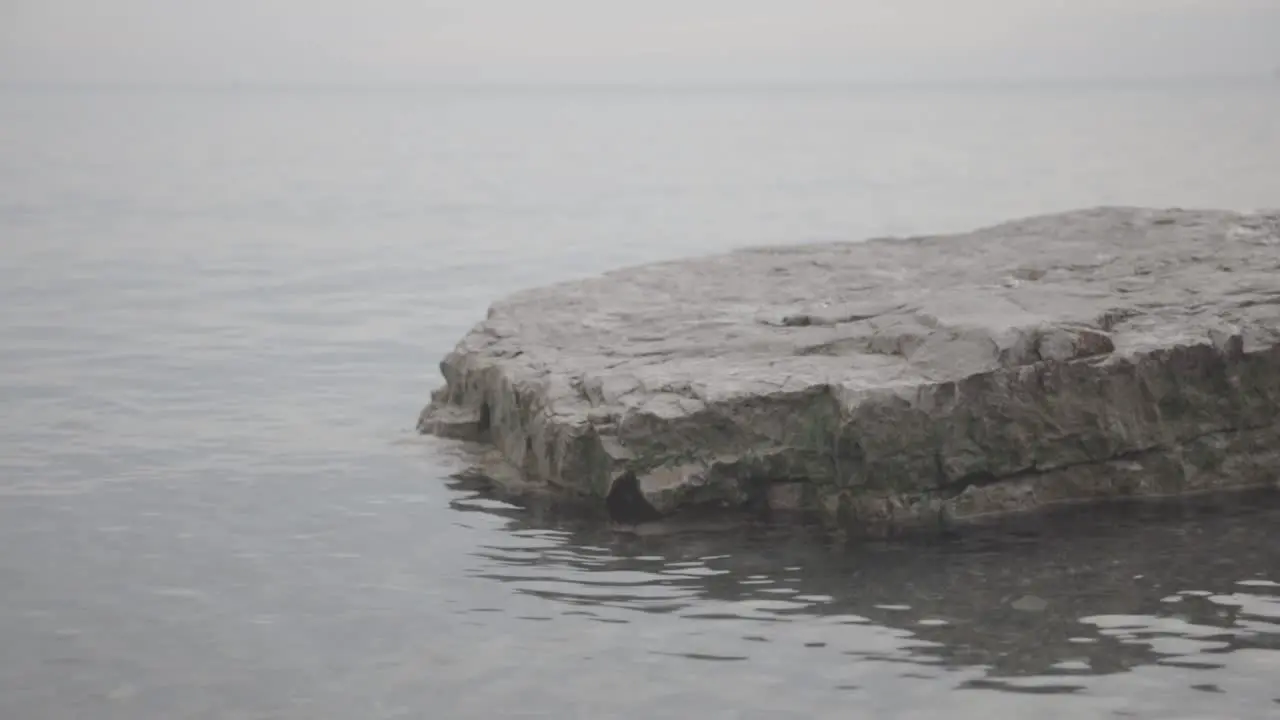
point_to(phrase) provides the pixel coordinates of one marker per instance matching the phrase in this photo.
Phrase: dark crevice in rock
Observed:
(838, 347)
(626, 504)
(834, 317)
(1270, 300)
(807, 320)
(985, 478)
(755, 492)
(1111, 319)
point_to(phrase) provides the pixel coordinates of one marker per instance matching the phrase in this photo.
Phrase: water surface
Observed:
(220, 313)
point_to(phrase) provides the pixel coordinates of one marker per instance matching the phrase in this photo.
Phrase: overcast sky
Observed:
(429, 41)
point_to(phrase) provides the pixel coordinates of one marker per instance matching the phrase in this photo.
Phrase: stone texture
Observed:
(1070, 357)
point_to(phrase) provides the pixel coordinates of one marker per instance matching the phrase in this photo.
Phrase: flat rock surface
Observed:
(1109, 351)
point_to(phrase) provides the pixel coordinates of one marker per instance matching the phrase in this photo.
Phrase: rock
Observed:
(1030, 603)
(1083, 355)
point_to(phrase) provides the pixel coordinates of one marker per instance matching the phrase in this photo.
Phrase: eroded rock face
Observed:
(1082, 355)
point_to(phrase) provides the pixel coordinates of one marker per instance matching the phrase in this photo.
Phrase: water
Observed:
(220, 312)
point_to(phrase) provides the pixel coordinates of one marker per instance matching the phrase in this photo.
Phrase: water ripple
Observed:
(220, 313)
(1036, 609)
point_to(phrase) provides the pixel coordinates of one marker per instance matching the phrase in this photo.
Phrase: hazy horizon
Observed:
(655, 84)
(661, 42)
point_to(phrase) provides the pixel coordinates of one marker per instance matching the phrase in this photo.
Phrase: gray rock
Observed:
(1030, 603)
(1083, 355)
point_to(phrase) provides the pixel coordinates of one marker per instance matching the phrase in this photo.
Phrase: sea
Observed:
(222, 308)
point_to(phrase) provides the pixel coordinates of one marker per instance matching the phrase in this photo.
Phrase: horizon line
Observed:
(644, 84)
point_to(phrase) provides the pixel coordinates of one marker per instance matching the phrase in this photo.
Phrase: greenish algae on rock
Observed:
(1101, 353)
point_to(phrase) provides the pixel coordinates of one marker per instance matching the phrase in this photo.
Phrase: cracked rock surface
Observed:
(1082, 355)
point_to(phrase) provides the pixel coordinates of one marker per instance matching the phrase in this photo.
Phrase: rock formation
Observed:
(1069, 357)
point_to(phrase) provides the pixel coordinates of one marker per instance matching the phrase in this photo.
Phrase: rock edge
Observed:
(1098, 353)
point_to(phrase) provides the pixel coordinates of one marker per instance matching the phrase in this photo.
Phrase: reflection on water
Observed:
(1086, 600)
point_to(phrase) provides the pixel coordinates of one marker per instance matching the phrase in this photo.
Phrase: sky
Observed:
(380, 42)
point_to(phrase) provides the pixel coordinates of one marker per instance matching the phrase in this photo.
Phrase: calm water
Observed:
(220, 313)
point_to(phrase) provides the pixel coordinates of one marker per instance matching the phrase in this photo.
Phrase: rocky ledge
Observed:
(1091, 354)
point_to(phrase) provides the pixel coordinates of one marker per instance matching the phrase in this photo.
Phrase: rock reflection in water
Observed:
(1117, 600)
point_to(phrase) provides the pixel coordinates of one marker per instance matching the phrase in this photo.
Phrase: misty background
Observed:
(397, 42)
